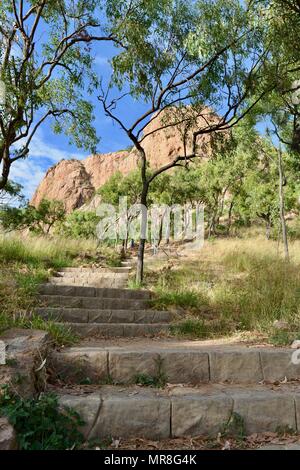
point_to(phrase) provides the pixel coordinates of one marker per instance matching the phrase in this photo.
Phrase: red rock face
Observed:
(66, 181)
(74, 182)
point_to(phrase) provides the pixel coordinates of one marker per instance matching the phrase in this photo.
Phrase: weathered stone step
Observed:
(111, 283)
(127, 264)
(81, 291)
(113, 330)
(182, 411)
(89, 277)
(117, 270)
(178, 362)
(93, 302)
(78, 315)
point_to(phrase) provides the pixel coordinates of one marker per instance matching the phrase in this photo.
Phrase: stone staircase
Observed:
(96, 277)
(197, 387)
(74, 297)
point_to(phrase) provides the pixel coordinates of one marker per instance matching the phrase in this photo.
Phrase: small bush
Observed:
(80, 224)
(234, 427)
(40, 423)
(159, 380)
(150, 381)
(39, 220)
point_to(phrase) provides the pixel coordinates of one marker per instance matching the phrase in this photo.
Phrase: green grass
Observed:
(113, 259)
(17, 300)
(270, 291)
(150, 381)
(191, 327)
(234, 427)
(188, 299)
(283, 338)
(132, 284)
(159, 380)
(25, 263)
(197, 328)
(38, 252)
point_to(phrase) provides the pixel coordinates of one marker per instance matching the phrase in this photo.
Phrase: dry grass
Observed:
(34, 250)
(26, 262)
(242, 284)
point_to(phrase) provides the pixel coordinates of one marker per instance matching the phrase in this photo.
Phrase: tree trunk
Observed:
(268, 229)
(123, 249)
(281, 206)
(229, 222)
(212, 225)
(144, 195)
(140, 262)
(160, 230)
(5, 160)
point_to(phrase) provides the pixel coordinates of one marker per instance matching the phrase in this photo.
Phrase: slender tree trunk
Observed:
(281, 206)
(212, 225)
(160, 230)
(5, 160)
(268, 229)
(141, 249)
(229, 222)
(144, 195)
(140, 262)
(123, 249)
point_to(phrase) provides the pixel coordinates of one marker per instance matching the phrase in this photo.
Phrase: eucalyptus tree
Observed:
(282, 22)
(45, 56)
(195, 65)
(11, 195)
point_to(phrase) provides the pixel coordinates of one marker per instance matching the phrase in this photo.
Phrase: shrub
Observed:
(40, 423)
(39, 220)
(80, 225)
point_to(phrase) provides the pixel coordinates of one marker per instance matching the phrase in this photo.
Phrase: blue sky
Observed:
(47, 148)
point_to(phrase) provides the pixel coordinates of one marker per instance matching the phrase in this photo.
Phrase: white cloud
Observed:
(28, 174)
(39, 148)
(30, 171)
(102, 61)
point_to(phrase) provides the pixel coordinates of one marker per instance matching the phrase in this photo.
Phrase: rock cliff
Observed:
(74, 182)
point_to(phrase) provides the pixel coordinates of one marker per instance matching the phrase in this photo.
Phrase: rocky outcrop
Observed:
(25, 351)
(67, 181)
(74, 182)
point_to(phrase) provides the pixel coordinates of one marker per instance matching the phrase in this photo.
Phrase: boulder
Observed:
(25, 351)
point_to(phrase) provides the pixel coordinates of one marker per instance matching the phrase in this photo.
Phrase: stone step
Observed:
(115, 270)
(141, 412)
(93, 302)
(127, 264)
(110, 283)
(89, 277)
(81, 291)
(185, 362)
(78, 315)
(115, 330)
